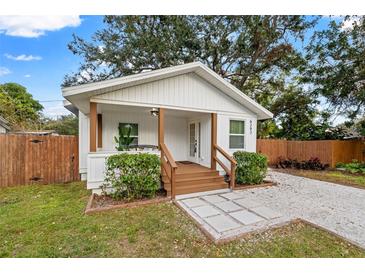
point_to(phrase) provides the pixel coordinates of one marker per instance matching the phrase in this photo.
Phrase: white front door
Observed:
(194, 142)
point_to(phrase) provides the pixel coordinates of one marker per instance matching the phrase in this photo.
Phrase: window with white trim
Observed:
(236, 134)
(134, 131)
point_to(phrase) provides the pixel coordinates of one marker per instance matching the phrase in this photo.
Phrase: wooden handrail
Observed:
(230, 172)
(168, 155)
(225, 154)
(169, 162)
(226, 169)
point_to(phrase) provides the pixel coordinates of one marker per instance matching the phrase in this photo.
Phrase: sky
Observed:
(34, 53)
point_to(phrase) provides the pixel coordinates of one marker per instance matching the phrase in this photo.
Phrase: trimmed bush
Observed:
(133, 176)
(251, 167)
(354, 167)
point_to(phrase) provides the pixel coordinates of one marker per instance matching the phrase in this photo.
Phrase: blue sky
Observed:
(42, 77)
(33, 53)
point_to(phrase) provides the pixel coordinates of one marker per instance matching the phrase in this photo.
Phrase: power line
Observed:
(45, 101)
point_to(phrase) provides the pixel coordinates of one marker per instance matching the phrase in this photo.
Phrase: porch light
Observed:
(154, 112)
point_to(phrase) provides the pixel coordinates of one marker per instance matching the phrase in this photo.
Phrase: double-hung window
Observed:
(134, 131)
(236, 134)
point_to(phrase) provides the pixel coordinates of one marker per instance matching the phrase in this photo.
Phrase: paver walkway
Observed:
(338, 208)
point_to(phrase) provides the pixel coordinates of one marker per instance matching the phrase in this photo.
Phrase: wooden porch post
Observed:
(93, 121)
(161, 126)
(100, 131)
(213, 134)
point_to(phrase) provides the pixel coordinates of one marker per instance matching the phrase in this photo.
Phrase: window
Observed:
(236, 134)
(134, 131)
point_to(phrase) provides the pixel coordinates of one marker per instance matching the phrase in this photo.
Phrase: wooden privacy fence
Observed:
(328, 151)
(30, 158)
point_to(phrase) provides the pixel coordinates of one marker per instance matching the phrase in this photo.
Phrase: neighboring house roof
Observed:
(36, 132)
(69, 106)
(4, 123)
(75, 94)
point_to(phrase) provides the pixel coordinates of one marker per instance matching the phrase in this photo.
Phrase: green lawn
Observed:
(48, 221)
(329, 176)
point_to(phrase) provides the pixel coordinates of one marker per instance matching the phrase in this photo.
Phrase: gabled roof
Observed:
(4, 123)
(75, 94)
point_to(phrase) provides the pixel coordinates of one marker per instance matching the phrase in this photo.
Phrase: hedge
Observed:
(133, 176)
(251, 167)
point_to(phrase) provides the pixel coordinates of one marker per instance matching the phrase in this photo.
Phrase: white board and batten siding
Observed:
(83, 144)
(175, 131)
(187, 91)
(223, 121)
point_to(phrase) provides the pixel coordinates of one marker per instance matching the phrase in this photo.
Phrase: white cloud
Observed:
(27, 75)
(54, 110)
(4, 71)
(85, 75)
(23, 57)
(35, 26)
(349, 24)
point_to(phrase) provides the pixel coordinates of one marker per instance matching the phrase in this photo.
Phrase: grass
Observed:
(48, 221)
(329, 176)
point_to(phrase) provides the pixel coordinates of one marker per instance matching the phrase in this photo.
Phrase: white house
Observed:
(194, 117)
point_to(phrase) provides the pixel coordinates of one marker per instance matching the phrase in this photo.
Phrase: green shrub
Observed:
(251, 167)
(133, 176)
(354, 167)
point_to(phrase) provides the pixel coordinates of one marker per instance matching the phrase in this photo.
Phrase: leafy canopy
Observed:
(64, 125)
(337, 66)
(248, 51)
(18, 106)
(254, 53)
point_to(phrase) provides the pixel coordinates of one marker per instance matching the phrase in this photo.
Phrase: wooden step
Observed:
(205, 184)
(197, 174)
(197, 188)
(194, 179)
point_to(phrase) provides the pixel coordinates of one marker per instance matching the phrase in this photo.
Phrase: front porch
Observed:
(191, 177)
(186, 141)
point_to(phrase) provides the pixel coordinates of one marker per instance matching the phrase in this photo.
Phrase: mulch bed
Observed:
(266, 183)
(98, 203)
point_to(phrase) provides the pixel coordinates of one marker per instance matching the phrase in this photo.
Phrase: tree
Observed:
(248, 51)
(360, 127)
(65, 125)
(18, 106)
(337, 66)
(294, 112)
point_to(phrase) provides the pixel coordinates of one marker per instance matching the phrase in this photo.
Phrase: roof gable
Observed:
(78, 94)
(187, 91)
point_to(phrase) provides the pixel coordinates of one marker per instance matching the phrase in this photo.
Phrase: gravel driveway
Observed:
(337, 208)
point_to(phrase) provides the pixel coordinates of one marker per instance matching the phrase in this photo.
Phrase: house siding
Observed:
(188, 91)
(223, 134)
(83, 143)
(175, 131)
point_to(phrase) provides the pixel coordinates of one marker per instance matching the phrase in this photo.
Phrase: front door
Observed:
(194, 142)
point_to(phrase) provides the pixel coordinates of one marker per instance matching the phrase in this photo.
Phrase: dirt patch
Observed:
(266, 183)
(99, 203)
